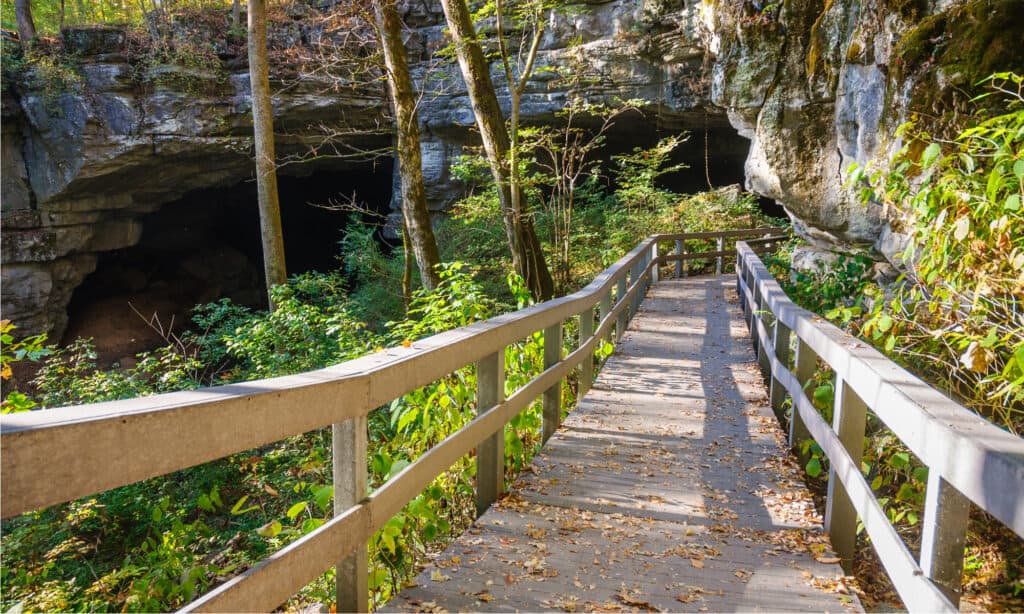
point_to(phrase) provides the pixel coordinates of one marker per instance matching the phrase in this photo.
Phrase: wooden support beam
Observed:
(552, 404)
(605, 309)
(840, 516)
(587, 366)
(652, 263)
(777, 392)
(806, 365)
(679, 263)
(720, 246)
(623, 320)
(349, 466)
(943, 534)
(490, 453)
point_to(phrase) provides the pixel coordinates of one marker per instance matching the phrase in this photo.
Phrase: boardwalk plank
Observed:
(669, 486)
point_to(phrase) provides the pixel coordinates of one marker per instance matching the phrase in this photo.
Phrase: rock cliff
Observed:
(815, 85)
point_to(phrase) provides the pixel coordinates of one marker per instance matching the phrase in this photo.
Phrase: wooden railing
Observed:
(58, 455)
(969, 460)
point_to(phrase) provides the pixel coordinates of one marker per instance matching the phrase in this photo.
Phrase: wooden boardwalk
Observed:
(669, 488)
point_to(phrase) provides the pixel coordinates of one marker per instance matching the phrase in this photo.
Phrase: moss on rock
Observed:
(947, 55)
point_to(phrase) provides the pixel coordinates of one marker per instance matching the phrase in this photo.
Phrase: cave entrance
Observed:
(206, 246)
(714, 151)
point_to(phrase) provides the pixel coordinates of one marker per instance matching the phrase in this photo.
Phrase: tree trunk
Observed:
(263, 132)
(60, 27)
(406, 269)
(527, 256)
(26, 25)
(236, 15)
(410, 159)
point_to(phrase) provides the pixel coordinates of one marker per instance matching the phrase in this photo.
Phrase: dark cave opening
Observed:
(206, 246)
(714, 152)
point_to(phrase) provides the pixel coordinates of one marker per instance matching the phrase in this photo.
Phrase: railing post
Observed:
(755, 315)
(943, 533)
(806, 365)
(719, 247)
(679, 263)
(349, 468)
(654, 262)
(490, 453)
(606, 308)
(623, 319)
(587, 366)
(781, 343)
(636, 275)
(552, 404)
(840, 516)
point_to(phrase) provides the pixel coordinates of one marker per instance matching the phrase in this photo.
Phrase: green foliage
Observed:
(957, 316)
(834, 289)
(637, 174)
(310, 328)
(45, 69)
(456, 301)
(12, 352)
(376, 277)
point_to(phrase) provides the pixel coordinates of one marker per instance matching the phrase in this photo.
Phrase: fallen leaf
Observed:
(437, 576)
(636, 602)
(699, 564)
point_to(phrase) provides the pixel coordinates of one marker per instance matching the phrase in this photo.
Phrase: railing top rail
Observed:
(979, 459)
(725, 234)
(82, 446)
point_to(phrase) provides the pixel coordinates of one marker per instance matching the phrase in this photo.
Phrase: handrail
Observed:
(57, 455)
(969, 459)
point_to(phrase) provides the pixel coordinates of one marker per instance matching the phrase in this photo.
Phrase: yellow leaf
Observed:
(437, 576)
(699, 564)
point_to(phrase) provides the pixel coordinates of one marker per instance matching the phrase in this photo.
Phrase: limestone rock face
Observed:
(821, 85)
(816, 85)
(83, 165)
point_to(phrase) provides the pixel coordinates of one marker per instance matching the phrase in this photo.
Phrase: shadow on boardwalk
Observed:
(669, 488)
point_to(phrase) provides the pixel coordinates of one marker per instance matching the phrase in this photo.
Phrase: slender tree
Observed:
(415, 216)
(527, 255)
(263, 131)
(26, 25)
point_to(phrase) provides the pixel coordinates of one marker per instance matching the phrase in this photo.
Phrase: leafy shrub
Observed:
(957, 316)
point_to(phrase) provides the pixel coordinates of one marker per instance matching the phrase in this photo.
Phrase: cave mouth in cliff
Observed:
(206, 246)
(714, 152)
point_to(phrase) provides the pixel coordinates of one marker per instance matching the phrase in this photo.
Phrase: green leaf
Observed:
(158, 514)
(814, 468)
(823, 394)
(311, 524)
(323, 497)
(930, 154)
(1018, 169)
(991, 339)
(205, 503)
(899, 460)
(397, 467)
(921, 474)
(430, 532)
(876, 483)
(296, 509)
(271, 529)
(890, 343)
(236, 509)
(885, 323)
(1012, 202)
